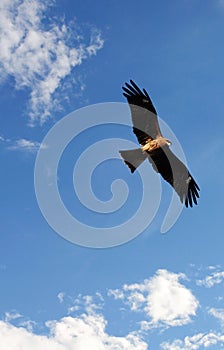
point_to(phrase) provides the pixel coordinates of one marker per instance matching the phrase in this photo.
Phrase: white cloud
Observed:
(12, 315)
(210, 280)
(197, 341)
(90, 304)
(217, 313)
(28, 324)
(87, 303)
(61, 296)
(69, 333)
(213, 267)
(116, 293)
(38, 57)
(162, 298)
(160, 301)
(3, 139)
(24, 145)
(16, 318)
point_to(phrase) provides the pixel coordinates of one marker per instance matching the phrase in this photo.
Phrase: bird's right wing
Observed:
(176, 174)
(144, 116)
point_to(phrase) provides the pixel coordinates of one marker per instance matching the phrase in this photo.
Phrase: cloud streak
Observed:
(39, 56)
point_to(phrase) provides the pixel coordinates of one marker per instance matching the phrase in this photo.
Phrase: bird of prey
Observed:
(155, 147)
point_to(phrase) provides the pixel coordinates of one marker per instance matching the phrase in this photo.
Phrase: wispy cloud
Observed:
(24, 145)
(19, 320)
(197, 341)
(163, 299)
(217, 313)
(212, 279)
(61, 296)
(39, 56)
(12, 315)
(89, 303)
(3, 139)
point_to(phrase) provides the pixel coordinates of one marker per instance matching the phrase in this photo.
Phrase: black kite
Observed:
(155, 147)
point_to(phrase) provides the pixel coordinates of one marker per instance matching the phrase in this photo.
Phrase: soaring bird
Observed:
(155, 147)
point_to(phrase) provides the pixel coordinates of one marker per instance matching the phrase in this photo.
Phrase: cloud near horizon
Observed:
(39, 56)
(69, 333)
(162, 300)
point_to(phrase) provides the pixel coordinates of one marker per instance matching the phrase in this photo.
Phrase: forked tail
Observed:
(133, 158)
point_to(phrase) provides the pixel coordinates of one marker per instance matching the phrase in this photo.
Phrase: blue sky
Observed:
(156, 291)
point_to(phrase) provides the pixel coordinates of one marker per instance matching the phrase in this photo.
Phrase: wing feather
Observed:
(144, 116)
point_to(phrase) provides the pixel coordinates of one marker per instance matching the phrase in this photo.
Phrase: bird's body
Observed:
(152, 145)
(155, 147)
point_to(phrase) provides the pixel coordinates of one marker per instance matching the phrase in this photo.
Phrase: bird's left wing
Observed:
(176, 174)
(144, 116)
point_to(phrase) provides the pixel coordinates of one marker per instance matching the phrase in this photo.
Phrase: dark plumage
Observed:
(155, 147)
